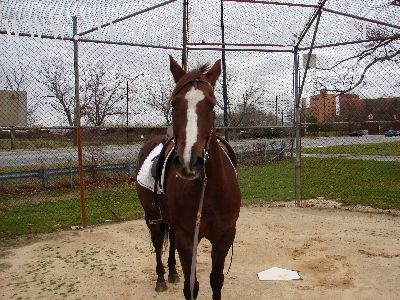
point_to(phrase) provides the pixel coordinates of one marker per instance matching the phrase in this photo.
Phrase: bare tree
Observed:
(14, 79)
(58, 78)
(242, 108)
(103, 91)
(156, 98)
(346, 74)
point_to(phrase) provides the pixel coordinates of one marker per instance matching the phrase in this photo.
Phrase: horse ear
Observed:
(213, 74)
(176, 69)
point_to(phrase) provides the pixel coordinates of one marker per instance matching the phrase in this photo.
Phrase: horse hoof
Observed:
(161, 287)
(173, 278)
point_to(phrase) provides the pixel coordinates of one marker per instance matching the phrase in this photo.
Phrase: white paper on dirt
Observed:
(276, 273)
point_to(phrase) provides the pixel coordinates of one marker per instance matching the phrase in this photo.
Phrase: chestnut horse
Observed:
(199, 171)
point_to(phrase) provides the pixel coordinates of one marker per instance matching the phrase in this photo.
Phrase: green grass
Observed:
(51, 211)
(350, 181)
(365, 182)
(386, 149)
(267, 183)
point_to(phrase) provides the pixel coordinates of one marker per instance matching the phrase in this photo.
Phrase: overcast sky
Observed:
(245, 23)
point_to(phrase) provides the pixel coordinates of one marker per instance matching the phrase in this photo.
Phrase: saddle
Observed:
(168, 144)
(159, 161)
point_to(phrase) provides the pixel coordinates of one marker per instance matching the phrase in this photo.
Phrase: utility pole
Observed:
(224, 83)
(79, 129)
(276, 110)
(185, 36)
(296, 87)
(127, 112)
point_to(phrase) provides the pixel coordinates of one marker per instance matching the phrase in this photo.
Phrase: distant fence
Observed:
(45, 174)
(249, 153)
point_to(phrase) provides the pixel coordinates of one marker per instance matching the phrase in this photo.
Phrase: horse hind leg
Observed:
(219, 251)
(173, 276)
(158, 232)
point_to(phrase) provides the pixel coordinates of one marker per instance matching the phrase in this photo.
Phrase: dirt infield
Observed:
(340, 255)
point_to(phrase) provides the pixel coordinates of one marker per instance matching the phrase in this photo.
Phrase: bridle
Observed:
(195, 83)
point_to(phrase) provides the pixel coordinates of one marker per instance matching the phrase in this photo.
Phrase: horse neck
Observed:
(214, 164)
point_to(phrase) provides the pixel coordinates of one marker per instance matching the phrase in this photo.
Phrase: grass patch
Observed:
(365, 182)
(352, 182)
(267, 183)
(51, 211)
(385, 149)
(5, 144)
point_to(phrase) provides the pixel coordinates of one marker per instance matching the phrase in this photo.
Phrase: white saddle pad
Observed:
(144, 177)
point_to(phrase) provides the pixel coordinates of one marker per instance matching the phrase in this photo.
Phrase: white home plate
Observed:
(278, 274)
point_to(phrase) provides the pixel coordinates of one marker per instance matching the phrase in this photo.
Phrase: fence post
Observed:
(298, 128)
(12, 139)
(78, 123)
(71, 182)
(45, 176)
(130, 169)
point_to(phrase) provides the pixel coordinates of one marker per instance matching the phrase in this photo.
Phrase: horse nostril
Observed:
(198, 164)
(178, 162)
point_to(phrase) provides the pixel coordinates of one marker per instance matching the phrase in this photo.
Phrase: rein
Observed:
(198, 218)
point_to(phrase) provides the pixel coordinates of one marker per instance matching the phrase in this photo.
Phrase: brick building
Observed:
(383, 109)
(323, 107)
(352, 108)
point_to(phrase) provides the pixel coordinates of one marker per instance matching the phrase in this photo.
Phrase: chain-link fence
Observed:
(332, 118)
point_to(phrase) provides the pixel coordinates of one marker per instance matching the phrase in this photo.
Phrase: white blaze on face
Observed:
(193, 97)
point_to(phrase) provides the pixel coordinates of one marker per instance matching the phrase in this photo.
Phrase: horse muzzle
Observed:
(191, 170)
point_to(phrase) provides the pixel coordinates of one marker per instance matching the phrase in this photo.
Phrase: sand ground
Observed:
(340, 255)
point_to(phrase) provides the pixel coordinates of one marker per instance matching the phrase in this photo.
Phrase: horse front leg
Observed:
(219, 251)
(173, 276)
(184, 245)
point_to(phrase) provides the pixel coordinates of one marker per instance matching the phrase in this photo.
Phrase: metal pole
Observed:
(392, 37)
(79, 129)
(309, 55)
(298, 129)
(224, 82)
(127, 17)
(275, 3)
(310, 22)
(127, 112)
(361, 18)
(223, 49)
(184, 35)
(276, 110)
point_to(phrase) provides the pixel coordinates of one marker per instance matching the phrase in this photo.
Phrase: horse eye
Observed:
(173, 105)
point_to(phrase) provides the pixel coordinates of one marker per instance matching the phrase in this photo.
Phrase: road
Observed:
(18, 158)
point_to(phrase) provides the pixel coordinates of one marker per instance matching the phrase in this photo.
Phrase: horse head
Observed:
(192, 103)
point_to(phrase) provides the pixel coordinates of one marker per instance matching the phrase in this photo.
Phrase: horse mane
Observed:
(197, 73)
